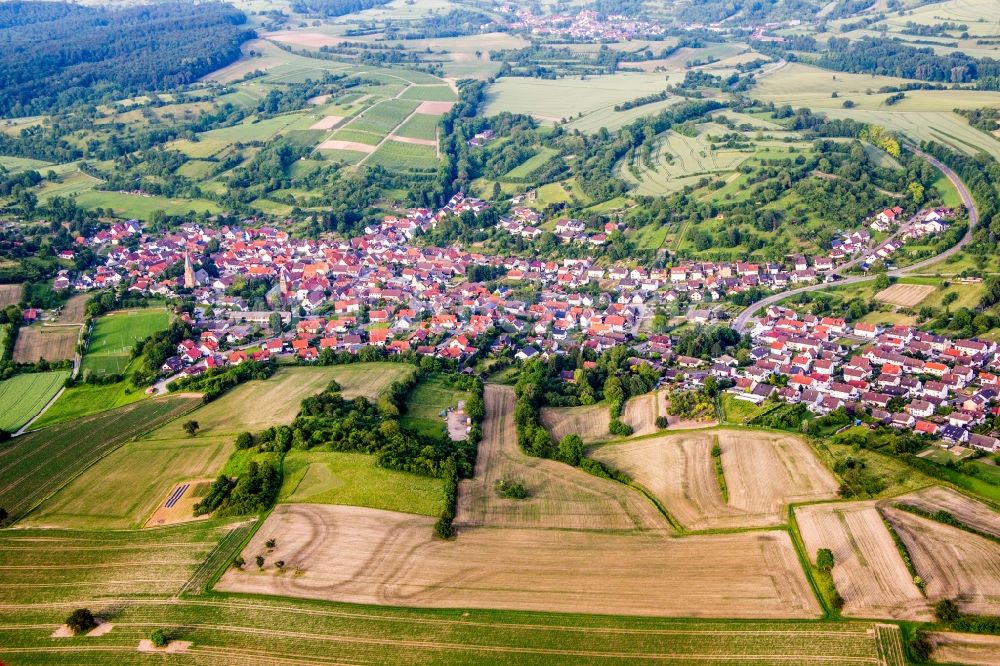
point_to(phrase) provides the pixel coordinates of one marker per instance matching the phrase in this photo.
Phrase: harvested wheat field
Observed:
(10, 294)
(419, 142)
(764, 473)
(591, 422)
(904, 295)
(869, 573)
(370, 556)
(336, 144)
(560, 496)
(327, 122)
(972, 649)
(53, 343)
(74, 310)
(434, 108)
(954, 563)
(937, 498)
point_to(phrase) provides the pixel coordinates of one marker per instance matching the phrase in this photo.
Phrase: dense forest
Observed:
(334, 7)
(55, 54)
(890, 58)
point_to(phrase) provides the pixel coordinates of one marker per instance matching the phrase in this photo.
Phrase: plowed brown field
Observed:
(560, 495)
(380, 557)
(764, 473)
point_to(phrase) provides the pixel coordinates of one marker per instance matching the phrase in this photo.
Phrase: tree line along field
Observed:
(23, 396)
(113, 336)
(37, 464)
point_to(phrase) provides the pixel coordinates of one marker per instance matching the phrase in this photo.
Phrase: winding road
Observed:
(743, 319)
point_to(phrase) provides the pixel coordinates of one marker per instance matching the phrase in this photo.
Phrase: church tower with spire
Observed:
(189, 280)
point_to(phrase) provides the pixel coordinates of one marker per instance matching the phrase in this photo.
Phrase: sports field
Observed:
(37, 464)
(23, 396)
(116, 333)
(336, 477)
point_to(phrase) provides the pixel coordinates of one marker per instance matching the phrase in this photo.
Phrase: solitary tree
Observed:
(191, 427)
(81, 621)
(260, 561)
(270, 543)
(824, 559)
(238, 561)
(159, 638)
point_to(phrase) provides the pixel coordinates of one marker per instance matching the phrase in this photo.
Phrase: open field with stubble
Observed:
(972, 649)
(905, 295)
(37, 464)
(560, 496)
(869, 572)
(954, 563)
(10, 294)
(53, 343)
(591, 421)
(938, 498)
(764, 473)
(378, 557)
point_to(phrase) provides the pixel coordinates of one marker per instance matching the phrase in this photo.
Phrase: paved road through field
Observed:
(743, 319)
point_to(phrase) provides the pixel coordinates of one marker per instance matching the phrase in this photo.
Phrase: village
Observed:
(382, 290)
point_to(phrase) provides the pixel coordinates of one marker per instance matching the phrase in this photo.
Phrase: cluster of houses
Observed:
(586, 24)
(900, 376)
(524, 222)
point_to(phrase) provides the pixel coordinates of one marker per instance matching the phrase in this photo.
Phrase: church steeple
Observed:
(189, 280)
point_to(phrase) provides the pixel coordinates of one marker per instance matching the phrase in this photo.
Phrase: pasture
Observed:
(336, 477)
(10, 294)
(84, 399)
(869, 572)
(764, 473)
(53, 343)
(954, 563)
(23, 396)
(904, 295)
(122, 489)
(560, 496)
(299, 631)
(363, 555)
(256, 405)
(525, 168)
(114, 335)
(553, 100)
(35, 465)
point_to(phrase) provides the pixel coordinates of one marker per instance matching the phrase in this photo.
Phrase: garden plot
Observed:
(763, 473)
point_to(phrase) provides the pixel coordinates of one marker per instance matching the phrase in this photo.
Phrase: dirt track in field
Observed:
(954, 563)
(868, 571)
(370, 556)
(560, 496)
(764, 473)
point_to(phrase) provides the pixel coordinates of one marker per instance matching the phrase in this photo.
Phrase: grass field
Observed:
(334, 477)
(553, 100)
(23, 396)
(525, 168)
(115, 334)
(257, 405)
(429, 94)
(314, 632)
(420, 126)
(426, 402)
(123, 488)
(406, 156)
(37, 464)
(76, 565)
(84, 399)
